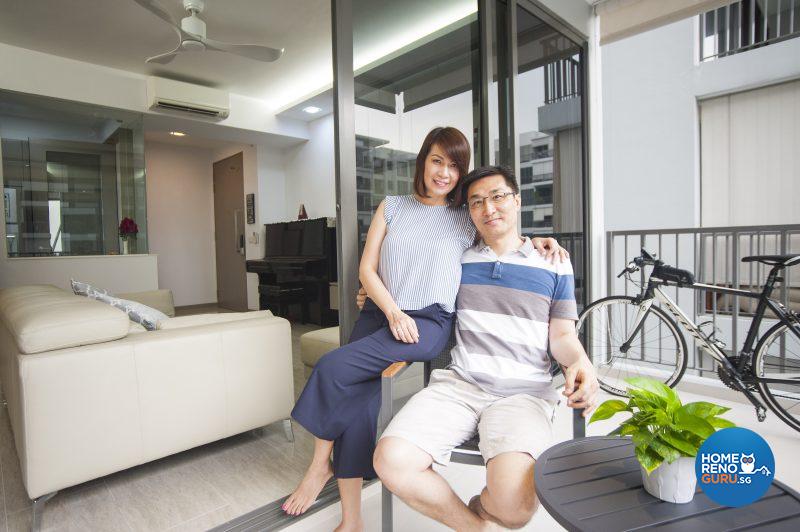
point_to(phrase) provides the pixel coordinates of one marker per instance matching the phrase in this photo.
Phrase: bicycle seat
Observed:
(774, 260)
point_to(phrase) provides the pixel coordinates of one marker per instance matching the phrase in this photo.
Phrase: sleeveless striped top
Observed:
(420, 261)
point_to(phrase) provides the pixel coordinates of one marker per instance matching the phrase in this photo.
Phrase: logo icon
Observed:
(734, 466)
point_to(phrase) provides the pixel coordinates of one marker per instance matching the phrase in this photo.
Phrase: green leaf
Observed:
(648, 458)
(668, 452)
(646, 400)
(657, 388)
(693, 424)
(720, 423)
(674, 438)
(704, 409)
(608, 409)
(642, 438)
(627, 429)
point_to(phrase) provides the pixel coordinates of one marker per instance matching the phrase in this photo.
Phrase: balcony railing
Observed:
(714, 255)
(561, 80)
(747, 24)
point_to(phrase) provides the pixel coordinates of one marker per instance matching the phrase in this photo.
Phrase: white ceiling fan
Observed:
(192, 34)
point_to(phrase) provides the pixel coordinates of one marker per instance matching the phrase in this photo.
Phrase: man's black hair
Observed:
(480, 173)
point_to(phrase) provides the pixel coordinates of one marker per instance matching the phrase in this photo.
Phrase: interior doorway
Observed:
(229, 232)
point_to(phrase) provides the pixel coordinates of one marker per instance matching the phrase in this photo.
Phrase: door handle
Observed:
(238, 237)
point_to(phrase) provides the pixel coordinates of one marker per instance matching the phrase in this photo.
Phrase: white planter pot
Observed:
(675, 482)
(126, 246)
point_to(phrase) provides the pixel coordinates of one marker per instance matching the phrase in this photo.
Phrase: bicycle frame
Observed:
(653, 293)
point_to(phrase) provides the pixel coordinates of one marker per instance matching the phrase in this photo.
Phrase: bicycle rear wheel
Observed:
(778, 356)
(658, 350)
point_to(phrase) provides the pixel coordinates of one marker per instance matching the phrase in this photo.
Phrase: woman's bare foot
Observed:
(350, 526)
(306, 493)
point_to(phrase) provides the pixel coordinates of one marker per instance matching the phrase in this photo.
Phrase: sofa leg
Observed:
(38, 510)
(287, 429)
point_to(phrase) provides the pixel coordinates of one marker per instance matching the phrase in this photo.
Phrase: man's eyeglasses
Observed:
(495, 199)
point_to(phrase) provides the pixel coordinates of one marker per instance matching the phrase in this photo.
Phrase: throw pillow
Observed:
(85, 289)
(148, 317)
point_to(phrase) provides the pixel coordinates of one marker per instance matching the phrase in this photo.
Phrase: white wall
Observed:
(651, 84)
(310, 172)
(181, 214)
(180, 217)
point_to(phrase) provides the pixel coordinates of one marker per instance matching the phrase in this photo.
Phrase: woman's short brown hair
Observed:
(455, 146)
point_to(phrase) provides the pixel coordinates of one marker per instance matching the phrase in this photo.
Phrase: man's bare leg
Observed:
(406, 471)
(509, 498)
(317, 474)
(350, 493)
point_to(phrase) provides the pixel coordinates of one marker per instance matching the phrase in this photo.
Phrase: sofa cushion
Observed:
(315, 344)
(136, 328)
(44, 317)
(208, 319)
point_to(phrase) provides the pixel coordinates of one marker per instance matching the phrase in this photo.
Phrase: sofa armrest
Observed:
(158, 299)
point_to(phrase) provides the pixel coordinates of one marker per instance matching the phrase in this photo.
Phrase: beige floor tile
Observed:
(254, 471)
(81, 508)
(206, 521)
(15, 496)
(161, 497)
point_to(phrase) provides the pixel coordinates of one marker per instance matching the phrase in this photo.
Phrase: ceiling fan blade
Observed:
(156, 9)
(251, 51)
(163, 59)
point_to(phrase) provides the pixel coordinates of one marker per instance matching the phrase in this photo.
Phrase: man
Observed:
(511, 303)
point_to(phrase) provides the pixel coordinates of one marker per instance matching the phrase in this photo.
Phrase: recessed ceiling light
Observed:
(177, 133)
(312, 110)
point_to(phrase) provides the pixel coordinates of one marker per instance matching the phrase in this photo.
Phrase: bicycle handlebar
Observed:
(645, 259)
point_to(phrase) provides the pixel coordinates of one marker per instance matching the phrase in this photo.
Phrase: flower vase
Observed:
(126, 248)
(675, 482)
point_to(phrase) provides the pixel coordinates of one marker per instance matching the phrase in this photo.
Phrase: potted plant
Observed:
(127, 230)
(666, 434)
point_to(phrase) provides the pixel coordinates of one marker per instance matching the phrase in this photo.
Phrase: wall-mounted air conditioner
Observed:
(169, 95)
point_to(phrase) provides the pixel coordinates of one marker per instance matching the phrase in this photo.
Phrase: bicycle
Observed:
(622, 332)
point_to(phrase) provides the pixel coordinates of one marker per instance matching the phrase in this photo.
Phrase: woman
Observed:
(410, 268)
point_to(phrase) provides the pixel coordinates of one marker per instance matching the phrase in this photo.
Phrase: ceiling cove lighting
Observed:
(311, 110)
(177, 133)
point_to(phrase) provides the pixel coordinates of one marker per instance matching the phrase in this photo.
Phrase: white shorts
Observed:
(450, 411)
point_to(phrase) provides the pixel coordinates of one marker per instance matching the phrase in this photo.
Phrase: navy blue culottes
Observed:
(342, 398)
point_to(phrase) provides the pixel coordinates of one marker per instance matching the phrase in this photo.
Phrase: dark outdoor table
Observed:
(595, 484)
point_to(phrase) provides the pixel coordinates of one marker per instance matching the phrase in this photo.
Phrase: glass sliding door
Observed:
(503, 72)
(423, 79)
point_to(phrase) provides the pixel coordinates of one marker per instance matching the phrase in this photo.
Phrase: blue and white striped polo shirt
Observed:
(420, 262)
(504, 307)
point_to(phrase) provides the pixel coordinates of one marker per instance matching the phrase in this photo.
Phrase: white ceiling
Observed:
(121, 34)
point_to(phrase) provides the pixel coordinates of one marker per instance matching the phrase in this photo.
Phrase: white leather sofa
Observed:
(89, 393)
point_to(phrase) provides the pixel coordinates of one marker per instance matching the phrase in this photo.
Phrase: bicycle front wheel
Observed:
(778, 357)
(658, 350)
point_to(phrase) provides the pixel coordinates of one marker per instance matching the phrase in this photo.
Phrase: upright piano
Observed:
(295, 274)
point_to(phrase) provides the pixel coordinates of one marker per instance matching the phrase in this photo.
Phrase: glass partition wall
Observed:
(506, 73)
(71, 172)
